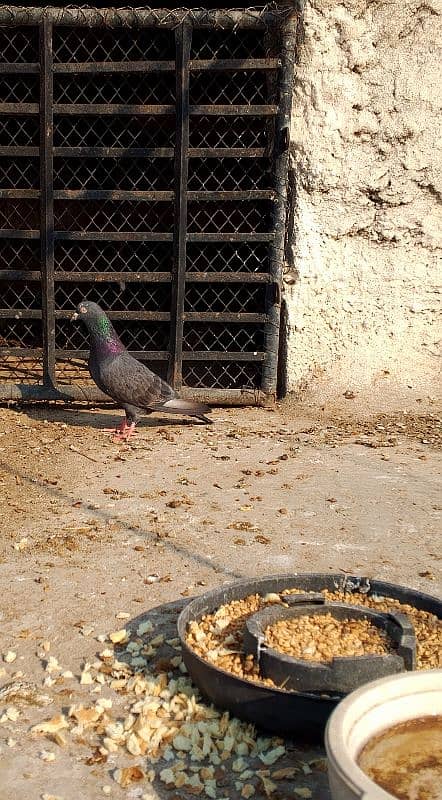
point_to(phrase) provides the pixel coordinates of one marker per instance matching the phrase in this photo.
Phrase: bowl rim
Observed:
(339, 758)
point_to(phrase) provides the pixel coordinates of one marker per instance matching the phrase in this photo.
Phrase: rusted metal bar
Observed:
(21, 194)
(148, 316)
(142, 355)
(228, 277)
(229, 237)
(233, 64)
(229, 19)
(21, 313)
(234, 194)
(113, 236)
(223, 316)
(233, 111)
(19, 275)
(12, 233)
(81, 109)
(96, 67)
(47, 202)
(183, 39)
(16, 68)
(114, 152)
(282, 134)
(221, 355)
(112, 277)
(111, 194)
(90, 393)
(19, 108)
(227, 152)
(19, 152)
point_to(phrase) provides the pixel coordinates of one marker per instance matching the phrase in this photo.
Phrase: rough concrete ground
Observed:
(92, 531)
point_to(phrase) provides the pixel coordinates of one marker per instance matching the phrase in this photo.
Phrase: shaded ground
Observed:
(95, 534)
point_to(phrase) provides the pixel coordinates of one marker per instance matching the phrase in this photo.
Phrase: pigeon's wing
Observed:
(130, 382)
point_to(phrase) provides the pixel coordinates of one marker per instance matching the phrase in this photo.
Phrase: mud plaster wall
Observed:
(363, 257)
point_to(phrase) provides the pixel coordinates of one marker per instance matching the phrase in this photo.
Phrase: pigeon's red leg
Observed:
(120, 429)
(124, 432)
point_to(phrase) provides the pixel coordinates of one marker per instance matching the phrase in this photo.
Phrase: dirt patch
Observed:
(94, 535)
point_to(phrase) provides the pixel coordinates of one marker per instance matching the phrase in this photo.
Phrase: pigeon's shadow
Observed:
(99, 418)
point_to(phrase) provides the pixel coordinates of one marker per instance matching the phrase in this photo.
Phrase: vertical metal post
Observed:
(47, 201)
(183, 38)
(281, 156)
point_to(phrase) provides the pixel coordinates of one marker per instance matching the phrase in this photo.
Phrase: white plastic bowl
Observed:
(367, 712)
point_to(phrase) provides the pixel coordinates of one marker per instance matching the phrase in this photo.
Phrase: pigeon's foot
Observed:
(124, 432)
(121, 428)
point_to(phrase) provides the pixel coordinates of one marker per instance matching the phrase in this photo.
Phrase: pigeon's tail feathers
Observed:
(187, 407)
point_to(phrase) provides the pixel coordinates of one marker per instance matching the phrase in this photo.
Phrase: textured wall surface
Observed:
(363, 260)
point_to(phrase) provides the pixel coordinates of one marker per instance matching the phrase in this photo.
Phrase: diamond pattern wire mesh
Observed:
(111, 215)
(19, 131)
(113, 256)
(227, 257)
(130, 44)
(114, 296)
(230, 298)
(19, 45)
(221, 88)
(127, 173)
(225, 337)
(230, 217)
(130, 131)
(24, 173)
(132, 89)
(16, 254)
(112, 173)
(20, 295)
(228, 131)
(229, 174)
(136, 335)
(222, 375)
(19, 89)
(19, 214)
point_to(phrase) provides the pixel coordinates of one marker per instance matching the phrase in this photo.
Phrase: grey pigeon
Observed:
(129, 382)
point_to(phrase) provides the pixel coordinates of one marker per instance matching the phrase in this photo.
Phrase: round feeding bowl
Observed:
(341, 674)
(367, 713)
(276, 709)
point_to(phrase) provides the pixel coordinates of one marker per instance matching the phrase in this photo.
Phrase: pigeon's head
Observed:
(93, 317)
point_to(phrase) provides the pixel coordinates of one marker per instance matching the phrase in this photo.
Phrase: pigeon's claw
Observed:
(124, 432)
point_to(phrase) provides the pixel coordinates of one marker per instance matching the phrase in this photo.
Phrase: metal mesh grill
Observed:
(227, 257)
(228, 132)
(19, 89)
(114, 296)
(131, 44)
(132, 89)
(18, 45)
(222, 375)
(16, 214)
(137, 335)
(245, 217)
(101, 209)
(127, 131)
(110, 173)
(110, 215)
(20, 295)
(231, 298)
(127, 257)
(229, 174)
(23, 255)
(21, 174)
(19, 131)
(223, 337)
(237, 88)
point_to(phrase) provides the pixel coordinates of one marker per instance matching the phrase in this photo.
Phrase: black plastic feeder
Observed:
(342, 674)
(284, 712)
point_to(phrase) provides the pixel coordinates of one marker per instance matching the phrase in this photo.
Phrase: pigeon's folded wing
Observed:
(129, 381)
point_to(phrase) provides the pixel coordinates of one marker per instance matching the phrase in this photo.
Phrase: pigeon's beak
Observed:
(74, 316)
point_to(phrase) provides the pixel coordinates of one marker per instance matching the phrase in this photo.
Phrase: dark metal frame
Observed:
(183, 22)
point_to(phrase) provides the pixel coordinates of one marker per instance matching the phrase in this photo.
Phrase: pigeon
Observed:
(127, 381)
